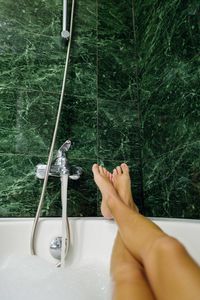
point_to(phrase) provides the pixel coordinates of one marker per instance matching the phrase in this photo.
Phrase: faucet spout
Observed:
(65, 147)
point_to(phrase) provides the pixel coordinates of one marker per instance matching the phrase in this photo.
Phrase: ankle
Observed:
(111, 199)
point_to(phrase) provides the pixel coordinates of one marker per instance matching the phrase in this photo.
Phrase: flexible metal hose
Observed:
(38, 213)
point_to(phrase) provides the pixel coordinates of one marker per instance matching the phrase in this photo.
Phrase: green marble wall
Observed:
(131, 95)
(168, 58)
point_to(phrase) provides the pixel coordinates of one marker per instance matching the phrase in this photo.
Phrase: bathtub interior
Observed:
(86, 273)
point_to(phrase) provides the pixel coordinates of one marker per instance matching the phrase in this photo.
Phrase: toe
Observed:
(104, 170)
(95, 168)
(101, 171)
(119, 170)
(114, 172)
(125, 168)
(108, 174)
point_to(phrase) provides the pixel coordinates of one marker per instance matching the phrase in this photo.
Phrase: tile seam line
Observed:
(139, 112)
(97, 103)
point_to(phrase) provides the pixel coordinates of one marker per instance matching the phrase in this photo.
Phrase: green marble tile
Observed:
(82, 81)
(25, 22)
(19, 190)
(85, 19)
(118, 124)
(83, 193)
(82, 75)
(31, 55)
(32, 71)
(27, 126)
(116, 67)
(79, 124)
(169, 93)
(7, 121)
(115, 19)
(117, 101)
(171, 183)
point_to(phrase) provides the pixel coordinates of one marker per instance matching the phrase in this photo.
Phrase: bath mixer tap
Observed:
(60, 166)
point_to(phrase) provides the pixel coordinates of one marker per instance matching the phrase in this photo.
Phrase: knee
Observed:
(128, 272)
(169, 246)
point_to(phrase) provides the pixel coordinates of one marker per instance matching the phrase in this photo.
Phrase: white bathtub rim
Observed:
(28, 219)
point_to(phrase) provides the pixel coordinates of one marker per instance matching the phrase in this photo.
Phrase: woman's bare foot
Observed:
(103, 180)
(122, 184)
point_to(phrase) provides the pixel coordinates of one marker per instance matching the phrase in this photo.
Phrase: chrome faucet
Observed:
(60, 165)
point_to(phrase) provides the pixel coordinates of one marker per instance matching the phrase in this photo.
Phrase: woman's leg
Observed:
(171, 272)
(128, 274)
(129, 279)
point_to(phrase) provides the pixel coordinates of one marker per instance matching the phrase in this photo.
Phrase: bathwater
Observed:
(33, 278)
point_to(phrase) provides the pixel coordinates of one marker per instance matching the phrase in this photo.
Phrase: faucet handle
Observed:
(65, 147)
(76, 172)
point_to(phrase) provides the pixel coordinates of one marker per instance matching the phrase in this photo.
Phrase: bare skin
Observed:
(128, 274)
(170, 271)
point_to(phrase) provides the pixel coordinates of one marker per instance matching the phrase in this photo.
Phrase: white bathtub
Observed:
(86, 274)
